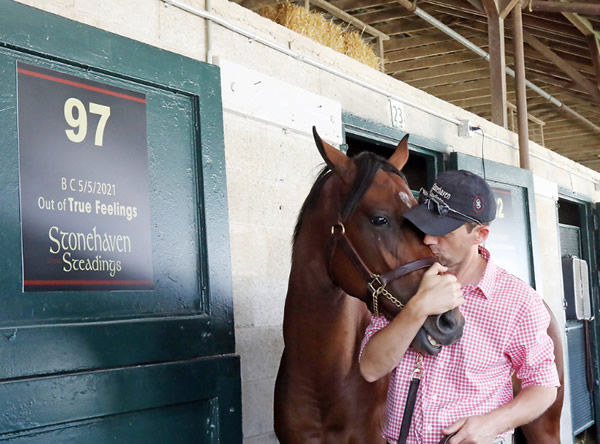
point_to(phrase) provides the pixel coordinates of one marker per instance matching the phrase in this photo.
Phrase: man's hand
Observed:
(530, 403)
(473, 430)
(438, 292)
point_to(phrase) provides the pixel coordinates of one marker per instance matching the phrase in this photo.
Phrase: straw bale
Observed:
(317, 27)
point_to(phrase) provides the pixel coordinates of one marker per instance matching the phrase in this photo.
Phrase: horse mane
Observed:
(367, 164)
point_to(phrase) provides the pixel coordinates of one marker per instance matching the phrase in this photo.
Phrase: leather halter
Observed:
(375, 282)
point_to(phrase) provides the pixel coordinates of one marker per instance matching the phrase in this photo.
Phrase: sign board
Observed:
(83, 169)
(398, 116)
(508, 240)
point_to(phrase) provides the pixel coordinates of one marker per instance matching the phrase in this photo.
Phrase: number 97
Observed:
(78, 120)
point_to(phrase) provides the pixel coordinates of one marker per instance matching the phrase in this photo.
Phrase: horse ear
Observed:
(334, 158)
(400, 156)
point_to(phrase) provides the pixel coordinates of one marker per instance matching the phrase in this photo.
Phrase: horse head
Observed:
(374, 254)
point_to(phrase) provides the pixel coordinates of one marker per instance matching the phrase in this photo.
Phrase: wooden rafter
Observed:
(564, 66)
(424, 57)
(595, 54)
(491, 7)
(555, 6)
(506, 9)
(476, 4)
(582, 24)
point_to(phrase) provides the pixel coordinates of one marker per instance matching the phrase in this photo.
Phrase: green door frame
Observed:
(590, 242)
(377, 132)
(199, 345)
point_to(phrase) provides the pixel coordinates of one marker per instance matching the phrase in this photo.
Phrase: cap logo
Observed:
(440, 191)
(478, 204)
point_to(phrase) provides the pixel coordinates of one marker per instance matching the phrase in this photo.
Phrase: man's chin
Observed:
(439, 259)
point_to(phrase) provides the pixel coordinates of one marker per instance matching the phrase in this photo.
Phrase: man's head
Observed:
(454, 215)
(456, 198)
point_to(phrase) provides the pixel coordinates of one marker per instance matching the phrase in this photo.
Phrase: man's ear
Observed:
(482, 232)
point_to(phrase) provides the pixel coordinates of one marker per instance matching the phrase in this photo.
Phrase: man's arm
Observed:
(437, 294)
(530, 403)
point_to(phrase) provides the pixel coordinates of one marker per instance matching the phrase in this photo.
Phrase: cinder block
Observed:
(260, 351)
(268, 438)
(257, 407)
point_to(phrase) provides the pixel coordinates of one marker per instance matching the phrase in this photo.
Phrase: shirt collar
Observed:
(487, 282)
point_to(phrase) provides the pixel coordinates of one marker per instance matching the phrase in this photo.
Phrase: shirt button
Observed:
(429, 428)
(434, 398)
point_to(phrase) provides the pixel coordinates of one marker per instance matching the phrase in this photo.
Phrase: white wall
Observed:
(272, 162)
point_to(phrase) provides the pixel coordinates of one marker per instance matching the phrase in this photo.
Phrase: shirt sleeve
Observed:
(377, 323)
(531, 350)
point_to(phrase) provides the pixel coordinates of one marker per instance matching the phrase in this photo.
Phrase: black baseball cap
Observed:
(457, 197)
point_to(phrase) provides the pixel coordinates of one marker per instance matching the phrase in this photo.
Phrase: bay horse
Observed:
(351, 223)
(546, 428)
(350, 236)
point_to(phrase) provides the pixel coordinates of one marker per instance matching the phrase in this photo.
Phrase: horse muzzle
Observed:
(439, 330)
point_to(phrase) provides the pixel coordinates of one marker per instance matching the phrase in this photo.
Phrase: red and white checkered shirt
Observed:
(505, 332)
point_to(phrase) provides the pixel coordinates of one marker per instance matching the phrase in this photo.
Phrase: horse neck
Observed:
(313, 300)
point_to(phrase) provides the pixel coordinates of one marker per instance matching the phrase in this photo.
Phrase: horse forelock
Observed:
(367, 164)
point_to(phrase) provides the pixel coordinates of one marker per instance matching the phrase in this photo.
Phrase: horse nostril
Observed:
(445, 323)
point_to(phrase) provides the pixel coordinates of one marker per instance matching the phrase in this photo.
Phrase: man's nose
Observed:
(430, 240)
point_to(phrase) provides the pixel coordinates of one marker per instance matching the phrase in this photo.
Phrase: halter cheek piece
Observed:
(375, 282)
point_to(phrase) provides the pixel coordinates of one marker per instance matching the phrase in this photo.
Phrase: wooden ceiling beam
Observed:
(448, 70)
(352, 5)
(451, 78)
(594, 44)
(589, 152)
(405, 25)
(579, 154)
(473, 94)
(427, 51)
(384, 15)
(491, 7)
(430, 62)
(444, 90)
(476, 4)
(537, 62)
(457, 5)
(507, 7)
(581, 23)
(540, 78)
(566, 131)
(559, 32)
(577, 7)
(575, 139)
(563, 65)
(423, 38)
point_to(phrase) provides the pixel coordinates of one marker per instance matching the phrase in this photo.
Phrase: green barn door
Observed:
(116, 317)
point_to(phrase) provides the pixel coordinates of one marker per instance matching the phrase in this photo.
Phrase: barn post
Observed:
(520, 88)
(497, 62)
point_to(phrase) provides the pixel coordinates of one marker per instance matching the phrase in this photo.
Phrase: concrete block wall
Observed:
(271, 163)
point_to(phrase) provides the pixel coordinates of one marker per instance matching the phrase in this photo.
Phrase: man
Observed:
(465, 390)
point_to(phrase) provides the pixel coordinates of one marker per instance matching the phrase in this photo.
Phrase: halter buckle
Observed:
(380, 285)
(418, 370)
(340, 226)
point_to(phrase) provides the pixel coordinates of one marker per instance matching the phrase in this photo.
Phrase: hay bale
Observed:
(315, 26)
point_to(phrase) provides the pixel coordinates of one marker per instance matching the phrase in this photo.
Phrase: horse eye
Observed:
(379, 220)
